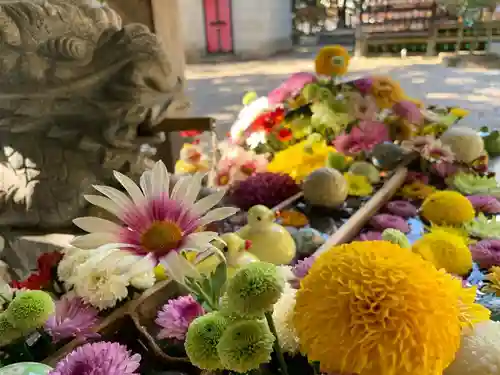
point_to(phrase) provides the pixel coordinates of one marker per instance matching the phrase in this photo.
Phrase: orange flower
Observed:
(332, 61)
(386, 91)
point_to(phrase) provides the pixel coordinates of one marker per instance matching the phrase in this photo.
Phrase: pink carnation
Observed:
(363, 137)
(386, 221)
(290, 88)
(485, 203)
(417, 177)
(370, 236)
(409, 111)
(486, 253)
(402, 208)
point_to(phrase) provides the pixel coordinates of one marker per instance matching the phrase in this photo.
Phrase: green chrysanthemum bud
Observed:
(310, 91)
(363, 168)
(396, 237)
(7, 331)
(30, 310)
(245, 345)
(254, 289)
(202, 338)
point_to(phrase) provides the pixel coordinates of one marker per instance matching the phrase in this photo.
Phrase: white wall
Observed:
(193, 28)
(261, 27)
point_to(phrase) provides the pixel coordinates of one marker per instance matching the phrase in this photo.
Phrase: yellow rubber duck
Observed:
(234, 249)
(271, 242)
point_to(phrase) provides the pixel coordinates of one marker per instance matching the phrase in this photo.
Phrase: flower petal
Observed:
(93, 240)
(93, 224)
(160, 179)
(115, 195)
(206, 203)
(180, 188)
(193, 189)
(146, 184)
(217, 214)
(178, 268)
(104, 203)
(199, 241)
(131, 187)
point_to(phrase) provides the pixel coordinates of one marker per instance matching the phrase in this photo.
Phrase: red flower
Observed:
(35, 281)
(190, 133)
(42, 278)
(248, 168)
(268, 120)
(47, 261)
(284, 134)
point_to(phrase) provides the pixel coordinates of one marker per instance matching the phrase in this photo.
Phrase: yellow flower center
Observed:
(161, 236)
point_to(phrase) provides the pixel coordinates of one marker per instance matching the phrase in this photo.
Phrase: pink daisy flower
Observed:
(153, 219)
(437, 152)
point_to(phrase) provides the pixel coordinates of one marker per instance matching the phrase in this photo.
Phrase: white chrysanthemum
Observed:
(153, 219)
(282, 316)
(102, 280)
(72, 258)
(479, 353)
(247, 115)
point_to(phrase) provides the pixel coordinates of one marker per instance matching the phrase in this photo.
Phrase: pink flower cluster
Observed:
(290, 88)
(237, 164)
(363, 137)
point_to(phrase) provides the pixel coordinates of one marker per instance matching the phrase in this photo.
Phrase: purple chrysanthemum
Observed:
(301, 269)
(267, 188)
(486, 253)
(176, 315)
(72, 318)
(100, 358)
(371, 235)
(363, 85)
(485, 203)
(402, 208)
(386, 221)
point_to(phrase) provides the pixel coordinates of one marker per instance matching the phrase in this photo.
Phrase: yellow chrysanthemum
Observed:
(386, 91)
(445, 250)
(372, 308)
(459, 112)
(457, 231)
(299, 160)
(433, 129)
(332, 61)
(358, 185)
(448, 208)
(494, 281)
(416, 191)
(471, 313)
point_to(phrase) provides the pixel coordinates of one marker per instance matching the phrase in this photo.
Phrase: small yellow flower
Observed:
(459, 112)
(160, 273)
(416, 190)
(292, 218)
(386, 91)
(433, 129)
(332, 61)
(358, 185)
(494, 281)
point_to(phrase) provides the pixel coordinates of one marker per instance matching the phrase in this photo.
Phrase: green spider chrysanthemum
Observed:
(30, 310)
(254, 289)
(202, 338)
(396, 237)
(7, 331)
(484, 227)
(245, 345)
(470, 184)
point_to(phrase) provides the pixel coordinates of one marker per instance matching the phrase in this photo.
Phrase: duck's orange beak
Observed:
(248, 244)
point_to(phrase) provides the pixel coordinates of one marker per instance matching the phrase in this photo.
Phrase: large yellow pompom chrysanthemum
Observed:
(373, 308)
(332, 61)
(447, 208)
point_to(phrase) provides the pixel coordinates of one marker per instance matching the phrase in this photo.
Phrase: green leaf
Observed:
(219, 278)
(206, 286)
(484, 129)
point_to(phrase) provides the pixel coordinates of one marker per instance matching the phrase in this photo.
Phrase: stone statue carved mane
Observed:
(80, 94)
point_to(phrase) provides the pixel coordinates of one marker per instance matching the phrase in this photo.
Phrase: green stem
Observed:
(277, 347)
(199, 290)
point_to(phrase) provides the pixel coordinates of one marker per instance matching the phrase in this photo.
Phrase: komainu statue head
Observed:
(80, 95)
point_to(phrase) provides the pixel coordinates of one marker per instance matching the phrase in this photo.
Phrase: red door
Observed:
(218, 26)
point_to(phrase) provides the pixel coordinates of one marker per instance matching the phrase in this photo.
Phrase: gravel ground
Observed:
(216, 89)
